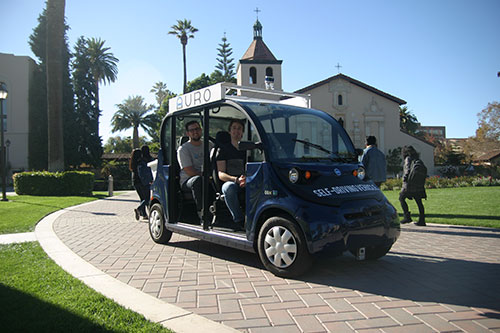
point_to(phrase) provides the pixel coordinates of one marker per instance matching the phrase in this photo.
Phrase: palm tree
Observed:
(160, 90)
(54, 56)
(133, 113)
(407, 120)
(183, 30)
(103, 66)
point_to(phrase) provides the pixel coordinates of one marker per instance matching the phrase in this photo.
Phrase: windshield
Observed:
(299, 134)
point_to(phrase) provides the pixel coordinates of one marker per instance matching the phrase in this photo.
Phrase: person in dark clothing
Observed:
(410, 189)
(143, 190)
(231, 171)
(374, 162)
(146, 155)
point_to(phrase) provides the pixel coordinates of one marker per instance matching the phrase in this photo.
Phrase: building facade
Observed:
(362, 109)
(17, 73)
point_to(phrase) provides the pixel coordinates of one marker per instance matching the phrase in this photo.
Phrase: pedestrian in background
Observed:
(146, 155)
(141, 178)
(414, 174)
(374, 162)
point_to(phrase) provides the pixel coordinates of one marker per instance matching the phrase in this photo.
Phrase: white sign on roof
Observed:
(199, 97)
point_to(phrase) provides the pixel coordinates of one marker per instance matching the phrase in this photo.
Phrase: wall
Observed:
(16, 72)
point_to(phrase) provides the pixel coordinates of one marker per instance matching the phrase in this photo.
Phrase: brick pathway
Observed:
(436, 278)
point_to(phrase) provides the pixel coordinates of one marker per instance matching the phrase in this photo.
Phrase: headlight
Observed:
(293, 176)
(360, 173)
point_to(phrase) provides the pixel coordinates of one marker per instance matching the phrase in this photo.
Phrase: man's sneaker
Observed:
(406, 219)
(137, 214)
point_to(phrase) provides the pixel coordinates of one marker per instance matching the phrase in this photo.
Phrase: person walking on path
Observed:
(414, 174)
(142, 179)
(374, 162)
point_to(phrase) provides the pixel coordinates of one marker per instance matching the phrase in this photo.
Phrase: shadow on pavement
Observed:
(419, 278)
(486, 233)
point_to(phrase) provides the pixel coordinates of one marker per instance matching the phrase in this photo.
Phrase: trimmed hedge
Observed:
(79, 183)
(443, 182)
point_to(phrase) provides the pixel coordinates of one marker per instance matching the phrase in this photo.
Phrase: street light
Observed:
(3, 96)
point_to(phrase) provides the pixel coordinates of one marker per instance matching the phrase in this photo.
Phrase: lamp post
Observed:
(3, 96)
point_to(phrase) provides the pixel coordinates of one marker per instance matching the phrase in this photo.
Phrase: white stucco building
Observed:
(16, 72)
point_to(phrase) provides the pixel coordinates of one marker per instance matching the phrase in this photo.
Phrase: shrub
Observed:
(57, 184)
(444, 182)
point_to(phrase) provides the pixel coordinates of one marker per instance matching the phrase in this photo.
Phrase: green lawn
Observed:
(36, 295)
(22, 212)
(471, 206)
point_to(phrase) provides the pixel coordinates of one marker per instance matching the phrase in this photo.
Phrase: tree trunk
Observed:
(135, 137)
(55, 44)
(185, 71)
(97, 107)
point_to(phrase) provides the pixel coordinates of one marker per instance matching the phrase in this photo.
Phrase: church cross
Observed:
(257, 11)
(338, 67)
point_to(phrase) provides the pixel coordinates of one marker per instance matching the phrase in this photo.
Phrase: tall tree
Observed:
(132, 113)
(407, 120)
(183, 30)
(160, 90)
(225, 65)
(88, 142)
(103, 66)
(38, 114)
(487, 136)
(55, 46)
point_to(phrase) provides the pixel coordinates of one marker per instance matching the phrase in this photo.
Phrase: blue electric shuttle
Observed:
(305, 190)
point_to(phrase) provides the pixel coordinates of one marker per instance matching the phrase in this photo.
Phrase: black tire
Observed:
(374, 252)
(282, 248)
(157, 229)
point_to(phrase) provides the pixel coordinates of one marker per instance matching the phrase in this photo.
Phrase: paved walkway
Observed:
(436, 278)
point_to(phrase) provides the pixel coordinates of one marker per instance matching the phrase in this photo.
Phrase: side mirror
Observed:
(249, 145)
(359, 151)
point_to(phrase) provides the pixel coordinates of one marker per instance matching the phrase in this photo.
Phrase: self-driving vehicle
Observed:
(305, 188)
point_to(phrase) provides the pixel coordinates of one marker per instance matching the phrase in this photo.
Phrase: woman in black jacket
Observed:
(411, 189)
(136, 162)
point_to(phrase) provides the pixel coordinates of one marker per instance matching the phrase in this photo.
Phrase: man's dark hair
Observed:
(192, 122)
(239, 121)
(371, 140)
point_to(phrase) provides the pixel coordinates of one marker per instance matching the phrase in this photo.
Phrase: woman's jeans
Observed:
(144, 193)
(231, 191)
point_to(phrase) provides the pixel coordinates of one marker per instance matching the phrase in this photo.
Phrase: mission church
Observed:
(362, 109)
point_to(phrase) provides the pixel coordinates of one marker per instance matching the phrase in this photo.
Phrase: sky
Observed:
(440, 56)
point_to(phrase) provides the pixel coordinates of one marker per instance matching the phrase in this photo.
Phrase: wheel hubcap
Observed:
(155, 224)
(280, 247)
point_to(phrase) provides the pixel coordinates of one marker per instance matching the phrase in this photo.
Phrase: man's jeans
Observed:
(194, 185)
(230, 191)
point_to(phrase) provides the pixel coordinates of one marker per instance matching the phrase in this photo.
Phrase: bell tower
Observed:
(259, 68)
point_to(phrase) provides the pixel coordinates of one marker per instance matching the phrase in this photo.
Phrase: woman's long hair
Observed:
(410, 151)
(135, 158)
(146, 155)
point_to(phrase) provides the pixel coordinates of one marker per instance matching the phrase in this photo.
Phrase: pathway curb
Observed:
(170, 316)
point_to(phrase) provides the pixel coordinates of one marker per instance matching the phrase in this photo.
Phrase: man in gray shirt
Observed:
(190, 157)
(374, 161)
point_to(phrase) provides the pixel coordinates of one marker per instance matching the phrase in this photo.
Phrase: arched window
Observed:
(269, 71)
(253, 75)
(340, 100)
